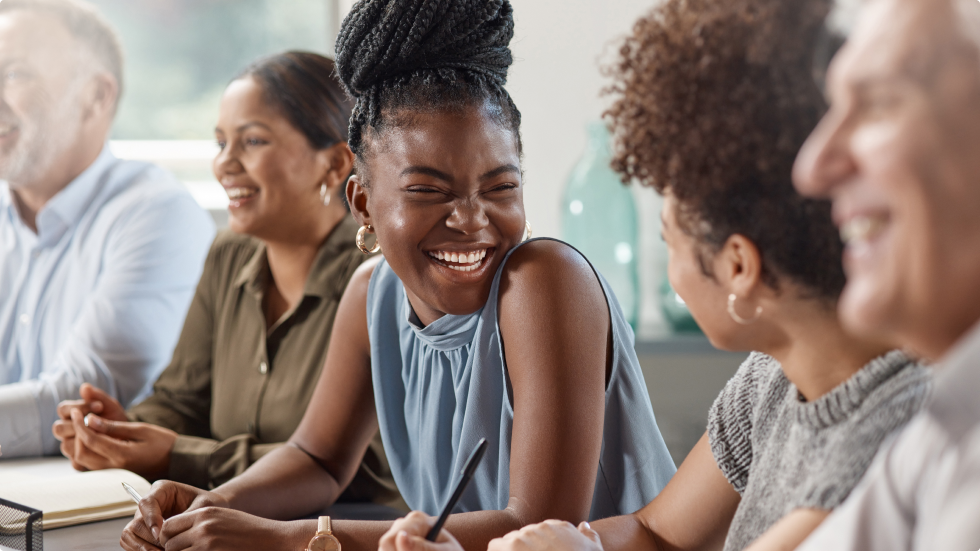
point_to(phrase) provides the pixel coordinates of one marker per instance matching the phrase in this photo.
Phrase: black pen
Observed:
(468, 470)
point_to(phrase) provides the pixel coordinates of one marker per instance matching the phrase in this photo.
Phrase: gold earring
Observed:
(359, 240)
(527, 229)
(739, 319)
(324, 194)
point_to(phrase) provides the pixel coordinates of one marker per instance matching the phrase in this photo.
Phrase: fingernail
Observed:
(88, 420)
(587, 525)
(156, 533)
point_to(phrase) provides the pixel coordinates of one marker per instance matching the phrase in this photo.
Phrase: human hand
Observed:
(93, 400)
(164, 501)
(408, 534)
(139, 447)
(550, 534)
(221, 529)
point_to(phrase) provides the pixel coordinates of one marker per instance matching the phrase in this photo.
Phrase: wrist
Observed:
(299, 533)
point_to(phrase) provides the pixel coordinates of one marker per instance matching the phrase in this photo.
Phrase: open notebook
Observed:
(67, 497)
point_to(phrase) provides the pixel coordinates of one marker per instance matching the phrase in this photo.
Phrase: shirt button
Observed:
(263, 368)
(25, 319)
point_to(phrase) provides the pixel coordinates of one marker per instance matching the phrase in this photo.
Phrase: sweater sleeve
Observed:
(731, 418)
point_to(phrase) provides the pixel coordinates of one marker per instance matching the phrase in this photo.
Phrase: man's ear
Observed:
(100, 96)
(738, 266)
(337, 161)
(357, 198)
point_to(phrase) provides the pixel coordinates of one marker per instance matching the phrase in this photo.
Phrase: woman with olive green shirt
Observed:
(231, 395)
(257, 332)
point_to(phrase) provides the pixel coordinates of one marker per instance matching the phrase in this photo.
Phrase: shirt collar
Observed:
(66, 208)
(321, 282)
(954, 399)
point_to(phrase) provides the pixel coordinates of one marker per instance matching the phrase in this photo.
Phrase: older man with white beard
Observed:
(899, 155)
(99, 257)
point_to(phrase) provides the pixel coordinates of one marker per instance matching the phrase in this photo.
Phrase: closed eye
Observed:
(503, 187)
(422, 189)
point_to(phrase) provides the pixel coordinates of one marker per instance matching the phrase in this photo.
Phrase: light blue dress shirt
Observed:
(97, 295)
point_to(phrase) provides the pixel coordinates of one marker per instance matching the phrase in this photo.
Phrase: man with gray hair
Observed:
(99, 257)
(899, 155)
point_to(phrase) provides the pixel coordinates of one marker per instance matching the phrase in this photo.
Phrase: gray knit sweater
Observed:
(782, 454)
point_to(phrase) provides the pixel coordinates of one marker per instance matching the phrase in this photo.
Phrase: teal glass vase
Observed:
(599, 219)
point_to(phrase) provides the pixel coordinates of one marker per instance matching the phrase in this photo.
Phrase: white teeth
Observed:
(240, 192)
(862, 228)
(470, 261)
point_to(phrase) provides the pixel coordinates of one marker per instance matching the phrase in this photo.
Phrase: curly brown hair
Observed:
(712, 101)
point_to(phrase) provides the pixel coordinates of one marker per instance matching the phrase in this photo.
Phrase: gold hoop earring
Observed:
(739, 319)
(324, 194)
(359, 240)
(527, 229)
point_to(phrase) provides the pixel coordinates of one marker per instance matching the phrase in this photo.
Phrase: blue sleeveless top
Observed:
(439, 389)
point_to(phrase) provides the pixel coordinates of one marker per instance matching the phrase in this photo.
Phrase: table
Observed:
(104, 535)
(97, 536)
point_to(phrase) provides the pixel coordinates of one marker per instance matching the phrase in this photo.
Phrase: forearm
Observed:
(21, 425)
(473, 530)
(207, 463)
(627, 532)
(28, 409)
(285, 484)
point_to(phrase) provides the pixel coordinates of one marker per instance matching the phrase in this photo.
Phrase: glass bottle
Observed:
(599, 219)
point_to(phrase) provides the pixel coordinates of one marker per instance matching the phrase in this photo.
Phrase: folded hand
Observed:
(93, 400)
(103, 444)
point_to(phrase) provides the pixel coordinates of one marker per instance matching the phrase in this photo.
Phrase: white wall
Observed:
(556, 81)
(559, 48)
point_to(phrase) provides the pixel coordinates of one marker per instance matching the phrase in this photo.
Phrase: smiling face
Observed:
(268, 168)
(445, 197)
(40, 112)
(898, 154)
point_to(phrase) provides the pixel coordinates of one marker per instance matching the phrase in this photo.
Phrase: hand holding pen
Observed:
(399, 538)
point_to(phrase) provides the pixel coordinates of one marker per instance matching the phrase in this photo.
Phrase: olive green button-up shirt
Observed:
(237, 389)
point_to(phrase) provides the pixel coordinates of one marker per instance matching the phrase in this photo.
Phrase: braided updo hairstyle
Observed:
(713, 99)
(401, 57)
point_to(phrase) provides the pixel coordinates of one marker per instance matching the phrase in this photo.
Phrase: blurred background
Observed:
(182, 53)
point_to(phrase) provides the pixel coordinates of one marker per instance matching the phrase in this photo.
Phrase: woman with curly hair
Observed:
(713, 100)
(461, 332)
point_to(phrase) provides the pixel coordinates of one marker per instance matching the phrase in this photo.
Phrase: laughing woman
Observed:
(253, 343)
(461, 332)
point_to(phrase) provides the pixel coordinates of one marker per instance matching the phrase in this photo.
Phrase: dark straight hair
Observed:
(304, 87)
